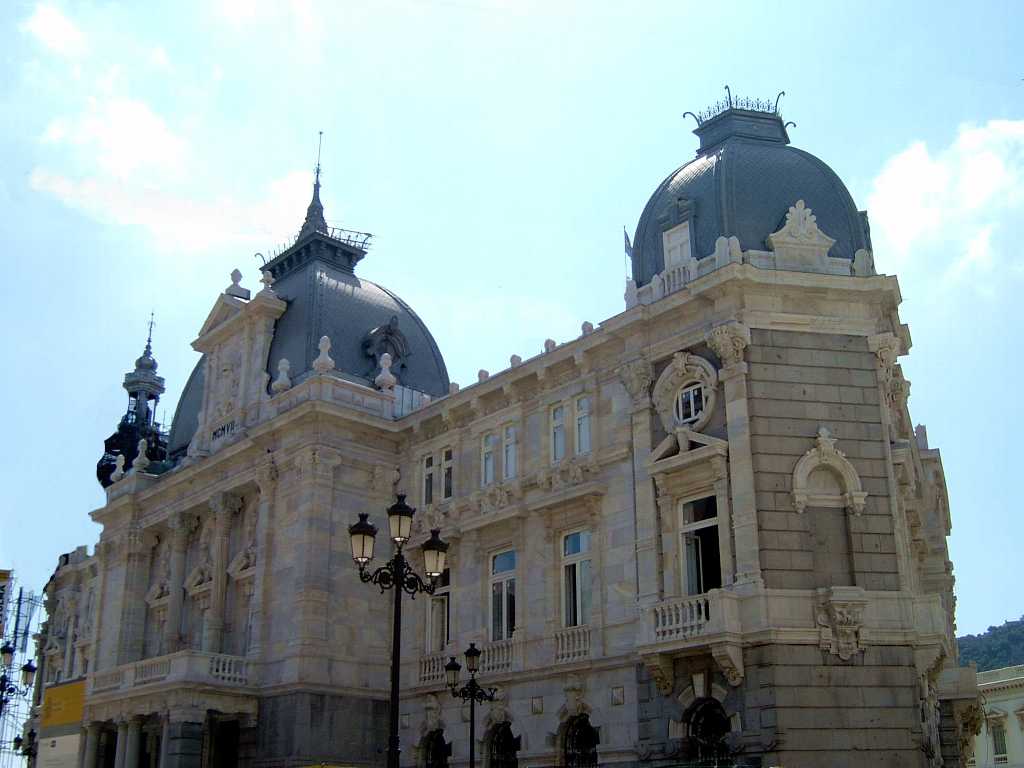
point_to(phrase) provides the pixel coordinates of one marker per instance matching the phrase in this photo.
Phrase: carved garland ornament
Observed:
(825, 455)
(683, 370)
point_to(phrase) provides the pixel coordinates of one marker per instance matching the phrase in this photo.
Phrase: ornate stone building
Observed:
(703, 529)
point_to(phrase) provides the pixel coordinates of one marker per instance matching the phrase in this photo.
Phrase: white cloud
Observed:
(946, 211)
(123, 137)
(180, 220)
(56, 31)
(159, 59)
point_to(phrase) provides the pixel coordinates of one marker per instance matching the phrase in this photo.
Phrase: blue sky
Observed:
(495, 149)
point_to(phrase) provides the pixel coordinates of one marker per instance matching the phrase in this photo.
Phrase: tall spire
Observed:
(315, 221)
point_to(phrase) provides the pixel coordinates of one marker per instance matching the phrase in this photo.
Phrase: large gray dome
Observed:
(316, 277)
(742, 182)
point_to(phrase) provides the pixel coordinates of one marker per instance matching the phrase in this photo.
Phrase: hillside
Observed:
(997, 647)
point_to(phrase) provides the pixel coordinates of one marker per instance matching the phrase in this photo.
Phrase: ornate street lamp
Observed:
(6, 655)
(397, 574)
(471, 691)
(9, 688)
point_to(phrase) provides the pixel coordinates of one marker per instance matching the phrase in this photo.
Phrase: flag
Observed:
(629, 245)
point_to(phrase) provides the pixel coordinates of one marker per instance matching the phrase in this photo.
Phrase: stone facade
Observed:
(712, 521)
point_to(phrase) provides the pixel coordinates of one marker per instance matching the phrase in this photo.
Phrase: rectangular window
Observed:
(510, 464)
(488, 448)
(428, 480)
(503, 595)
(582, 425)
(689, 404)
(576, 576)
(446, 469)
(440, 615)
(557, 433)
(702, 569)
(999, 743)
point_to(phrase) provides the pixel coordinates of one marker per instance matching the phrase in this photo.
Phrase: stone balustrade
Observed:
(680, 618)
(432, 668)
(192, 667)
(499, 656)
(572, 644)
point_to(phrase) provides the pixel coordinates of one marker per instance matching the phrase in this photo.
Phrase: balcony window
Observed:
(557, 433)
(428, 480)
(701, 557)
(576, 579)
(447, 470)
(488, 448)
(510, 464)
(439, 615)
(582, 425)
(503, 595)
(999, 744)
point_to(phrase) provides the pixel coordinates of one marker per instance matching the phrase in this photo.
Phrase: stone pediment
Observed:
(225, 308)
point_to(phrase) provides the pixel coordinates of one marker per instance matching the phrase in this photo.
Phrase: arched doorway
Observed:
(708, 727)
(502, 747)
(579, 746)
(435, 750)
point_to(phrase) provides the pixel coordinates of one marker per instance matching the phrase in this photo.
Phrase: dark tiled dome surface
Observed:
(742, 184)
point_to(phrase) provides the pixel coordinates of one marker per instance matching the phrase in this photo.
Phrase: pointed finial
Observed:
(267, 280)
(282, 382)
(324, 363)
(235, 289)
(149, 336)
(319, 146)
(385, 379)
(315, 221)
(118, 472)
(141, 460)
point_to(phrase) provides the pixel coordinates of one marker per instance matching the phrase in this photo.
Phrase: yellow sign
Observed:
(63, 704)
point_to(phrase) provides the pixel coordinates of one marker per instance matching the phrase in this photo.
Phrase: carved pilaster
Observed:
(224, 506)
(728, 342)
(637, 376)
(179, 532)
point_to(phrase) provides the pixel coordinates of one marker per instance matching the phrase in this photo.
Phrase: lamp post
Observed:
(8, 687)
(471, 691)
(397, 574)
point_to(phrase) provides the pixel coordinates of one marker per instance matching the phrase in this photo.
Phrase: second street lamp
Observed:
(471, 691)
(397, 574)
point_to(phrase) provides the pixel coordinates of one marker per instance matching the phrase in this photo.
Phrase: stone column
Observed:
(122, 739)
(133, 612)
(184, 744)
(179, 543)
(728, 342)
(887, 349)
(316, 479)
(131, 756)
(266, 477)
(224, 506)
(637, 376)
(92, 745)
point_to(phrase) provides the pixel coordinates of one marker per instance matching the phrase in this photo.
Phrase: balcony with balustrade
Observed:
(680, 623)
(496, 659)
(189, 667)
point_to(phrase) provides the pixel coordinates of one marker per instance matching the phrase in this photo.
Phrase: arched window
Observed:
(708, 728)
(435, 751)
(580, 745)
(502, 747)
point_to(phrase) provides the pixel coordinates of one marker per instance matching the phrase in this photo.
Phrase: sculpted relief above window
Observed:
(684, 394)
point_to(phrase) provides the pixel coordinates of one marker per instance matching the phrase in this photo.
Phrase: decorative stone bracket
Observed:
(825, 455)
(729, 657)
(840, 620)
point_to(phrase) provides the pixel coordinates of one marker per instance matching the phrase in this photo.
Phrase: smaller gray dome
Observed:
(742, 183)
